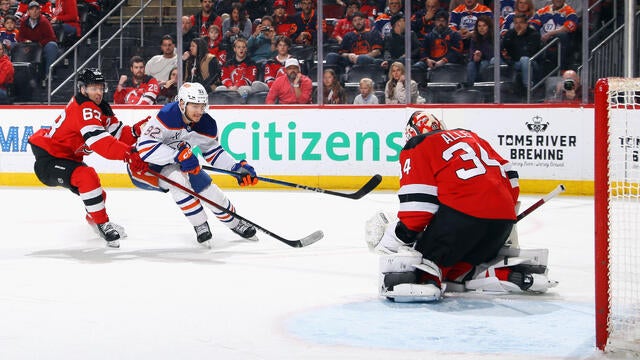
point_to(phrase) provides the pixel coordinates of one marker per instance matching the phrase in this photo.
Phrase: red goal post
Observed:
(617, 214)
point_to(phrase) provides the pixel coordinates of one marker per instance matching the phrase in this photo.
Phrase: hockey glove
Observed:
(136, 129)
(247, 174)
(136, 165)
(188, 162)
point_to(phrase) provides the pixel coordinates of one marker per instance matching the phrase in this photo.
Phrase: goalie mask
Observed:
(421, 123)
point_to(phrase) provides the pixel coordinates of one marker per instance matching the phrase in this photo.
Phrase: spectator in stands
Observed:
(188, 32)
(205, 17)
(423, 21)
(256, 9)
(345, 25)
(382, 23)
(36, 28)
(6, 74)
(557, 20)
(518, 45)
(358, 47)
(239, 72)
(236, 26)
(522, 7)
(568, 89)
(282, 21)
(24, 5)
(169, 87)
(215, 44)
(394, 91)
(140, 89)
(9, 33)
(332, 91)
(5, 10)
(223, 6)
(366, 96)
(394, 49)
(200, 66)
(305, 24)
(275, 66)
(442, 45)
(292, 88)
(480, 48)
(65, 16)
(159, 66)
(463, 18)
(262, 41)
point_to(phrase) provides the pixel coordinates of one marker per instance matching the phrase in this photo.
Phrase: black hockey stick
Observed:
(364, 190)
(307, 240)
(559, 189)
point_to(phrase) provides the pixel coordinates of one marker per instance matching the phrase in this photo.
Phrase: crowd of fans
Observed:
(241, 49)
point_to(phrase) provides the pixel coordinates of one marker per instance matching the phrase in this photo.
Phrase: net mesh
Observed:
(624, 214)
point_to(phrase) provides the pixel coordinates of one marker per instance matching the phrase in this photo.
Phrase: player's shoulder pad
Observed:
(171, 116)
(416, 140)
(207, 126)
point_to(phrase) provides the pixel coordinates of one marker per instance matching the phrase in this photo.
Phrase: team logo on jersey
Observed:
(537, 125)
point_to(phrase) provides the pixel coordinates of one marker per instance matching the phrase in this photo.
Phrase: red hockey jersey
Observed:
(144, 93)
(239, 73)
(84, 127)
(458, 169)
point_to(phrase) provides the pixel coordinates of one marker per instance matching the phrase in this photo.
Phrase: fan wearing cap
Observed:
(344, 25)
(394, 43)
(282, 20)
(35, 27)
(359, 46)
(442, 45)
(457, 209)
(305, 25)
(291, 88)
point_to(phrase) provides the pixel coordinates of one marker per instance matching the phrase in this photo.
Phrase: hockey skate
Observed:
(203, 234)
(110, 234)
(531, 282)
(118, 228)
(245, 230)
(402, 287)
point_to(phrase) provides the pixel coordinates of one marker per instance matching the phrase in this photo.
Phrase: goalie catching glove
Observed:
(385, 237)
(247, 175)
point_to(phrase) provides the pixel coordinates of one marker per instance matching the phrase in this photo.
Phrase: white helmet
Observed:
(192, 93)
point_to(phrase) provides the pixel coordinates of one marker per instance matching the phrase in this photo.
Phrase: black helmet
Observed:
(91, 76)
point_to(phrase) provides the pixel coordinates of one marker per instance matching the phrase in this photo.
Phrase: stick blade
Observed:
(368, 187)
(308, 240)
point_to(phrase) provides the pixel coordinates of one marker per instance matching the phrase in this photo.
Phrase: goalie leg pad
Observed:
(404, 260)
(413, 293)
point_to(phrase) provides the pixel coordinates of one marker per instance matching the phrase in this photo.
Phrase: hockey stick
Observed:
(307, 240)
(559, 189)
(364, 190)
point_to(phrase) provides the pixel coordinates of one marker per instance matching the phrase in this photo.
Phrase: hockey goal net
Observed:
(617, 214)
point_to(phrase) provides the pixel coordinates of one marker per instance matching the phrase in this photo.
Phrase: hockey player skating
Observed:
(165, 144)
(86, 125)
(457, 210)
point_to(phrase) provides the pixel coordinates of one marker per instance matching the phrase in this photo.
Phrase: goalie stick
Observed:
(364, 190)
(307, 240)
(559, 189)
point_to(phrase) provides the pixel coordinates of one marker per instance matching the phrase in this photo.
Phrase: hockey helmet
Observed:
(192, 93)
(421, 122)
(91, 76)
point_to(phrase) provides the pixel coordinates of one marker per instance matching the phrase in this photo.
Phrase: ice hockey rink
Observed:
(64, 295)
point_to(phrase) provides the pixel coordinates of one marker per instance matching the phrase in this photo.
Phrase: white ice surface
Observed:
(63, 295)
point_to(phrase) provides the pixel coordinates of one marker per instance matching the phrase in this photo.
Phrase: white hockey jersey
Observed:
(158, 144)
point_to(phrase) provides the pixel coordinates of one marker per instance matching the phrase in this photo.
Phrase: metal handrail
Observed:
(74, 47)
(557, 68)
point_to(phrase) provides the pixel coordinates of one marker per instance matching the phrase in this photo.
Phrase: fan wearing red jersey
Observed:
(457, 208)
(86, 125)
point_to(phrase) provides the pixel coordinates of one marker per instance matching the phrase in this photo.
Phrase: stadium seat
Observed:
(351, 90)
(486, 75)
(373, 72)
(419, 75)
(448, 73)
(226, 98)
(24, 81)
(26, 52)
(467, 96)
(257, 98)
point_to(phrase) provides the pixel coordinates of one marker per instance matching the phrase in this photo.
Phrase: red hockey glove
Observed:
(136, 165)
(188, 162)
(247, 175)
(136, 129)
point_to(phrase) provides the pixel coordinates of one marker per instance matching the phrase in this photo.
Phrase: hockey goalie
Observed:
(455, 227)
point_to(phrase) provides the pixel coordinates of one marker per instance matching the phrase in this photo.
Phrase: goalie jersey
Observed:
(456, 168)
(159, 141)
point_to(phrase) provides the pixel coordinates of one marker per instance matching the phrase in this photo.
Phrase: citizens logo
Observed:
(537, 126)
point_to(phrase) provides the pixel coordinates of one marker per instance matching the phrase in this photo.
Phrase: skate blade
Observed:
(206, 244)
(113, 244)
(254, 238)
